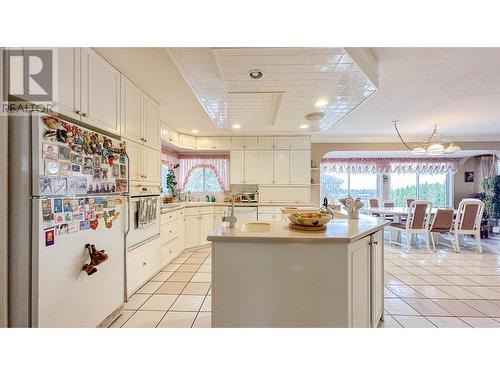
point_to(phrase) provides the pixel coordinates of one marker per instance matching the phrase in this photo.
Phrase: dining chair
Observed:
(388, 204)
(419, 214)
(374, 203)
(468, 221)
(441, 223)
(408, 201)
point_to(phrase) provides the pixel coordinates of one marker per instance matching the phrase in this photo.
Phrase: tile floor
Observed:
(422, 289)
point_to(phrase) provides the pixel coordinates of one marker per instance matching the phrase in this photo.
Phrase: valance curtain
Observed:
(389, 165)
(218, 164)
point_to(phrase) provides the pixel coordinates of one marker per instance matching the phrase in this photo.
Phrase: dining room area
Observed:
(442, 247)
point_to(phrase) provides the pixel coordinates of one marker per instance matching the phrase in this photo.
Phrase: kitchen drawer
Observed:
(172, 215)
(195, 211)
(270, 210)
(170, 250)
(221, 210)
(142, 263)
(171, 229)
(267, 217)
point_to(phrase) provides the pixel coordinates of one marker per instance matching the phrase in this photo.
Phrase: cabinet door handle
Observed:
(143, 263)
(77, 111)
(145, 140)
(84, 114)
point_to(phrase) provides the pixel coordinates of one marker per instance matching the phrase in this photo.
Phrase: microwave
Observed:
(254, 197)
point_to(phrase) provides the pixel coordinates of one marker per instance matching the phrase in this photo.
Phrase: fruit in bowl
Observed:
(309, 219)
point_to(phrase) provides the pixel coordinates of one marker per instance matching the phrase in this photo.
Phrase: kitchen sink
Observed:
(256, 228)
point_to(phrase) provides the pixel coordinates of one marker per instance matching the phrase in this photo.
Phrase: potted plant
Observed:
(171, 183)
(491, 187)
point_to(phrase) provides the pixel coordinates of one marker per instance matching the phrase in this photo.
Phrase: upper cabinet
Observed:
(151, 123)
(100, 87)
(282, 142)
(140, 116)
(89, 89)
(187, 141)
(204, 143)
(221, 143)
(300, 143)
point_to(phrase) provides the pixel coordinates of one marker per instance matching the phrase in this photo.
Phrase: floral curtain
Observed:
(389, 165)
(218, 164)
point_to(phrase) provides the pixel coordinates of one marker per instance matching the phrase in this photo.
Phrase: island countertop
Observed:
(337, 231)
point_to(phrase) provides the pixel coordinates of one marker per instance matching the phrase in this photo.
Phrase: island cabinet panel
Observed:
(377, 277)
(359, 305)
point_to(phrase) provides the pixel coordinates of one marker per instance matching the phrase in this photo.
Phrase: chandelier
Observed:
(432, 147)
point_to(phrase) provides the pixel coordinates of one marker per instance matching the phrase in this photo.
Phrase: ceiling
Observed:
(294, 83)
(401, 154)
(457, 88)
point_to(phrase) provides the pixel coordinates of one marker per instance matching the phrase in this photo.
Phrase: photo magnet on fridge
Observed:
(51, 168)
(76, 158)
(85, 225)
(49, 237)
(61, 229)
(47, 185)
(64, 153)
(73, 227)
(58, 205)
(65, 168)
(49, 151)
(76, 168)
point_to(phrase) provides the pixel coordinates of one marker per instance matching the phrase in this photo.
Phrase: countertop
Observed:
(178, 205)
(337, 230)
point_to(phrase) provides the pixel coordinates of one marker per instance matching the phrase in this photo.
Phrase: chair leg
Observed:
(408, 240)
(457, 243)
(428, 237)
(478, 241)
(431, 235)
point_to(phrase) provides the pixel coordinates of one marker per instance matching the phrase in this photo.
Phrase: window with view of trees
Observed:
(433, 188)
(202, 180)
(338, 185)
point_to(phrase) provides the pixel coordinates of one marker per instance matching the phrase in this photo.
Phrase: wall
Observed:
(3, 209)
(461, 189)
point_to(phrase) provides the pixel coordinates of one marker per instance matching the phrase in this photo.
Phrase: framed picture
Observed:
(49, 151)
(468, 176)
(64, 153)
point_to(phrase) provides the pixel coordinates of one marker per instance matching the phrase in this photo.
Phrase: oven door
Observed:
(137, 235)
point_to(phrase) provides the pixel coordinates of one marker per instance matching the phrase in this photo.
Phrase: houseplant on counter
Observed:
(171, 183)
(491, 187)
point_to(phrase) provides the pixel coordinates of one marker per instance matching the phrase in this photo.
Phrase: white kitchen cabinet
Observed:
(251, 167)
(266, 143)
(187, 141)
(140, 116)
(251, 142)
(144, 163)
(281, 166)
(69, 95)
(132, 110)
(204, 143)
(142, 263)
(206, 228)
(134, 151)
(300, 166)
(377, 277)
(192, 231)
(237, 166)
(359, 261)
(282, 142)
(151, 166)
(221, 143)
(151, 127)
(265, 166)
(100, 87)
(168, 134)
(237, 142)
(300, 143)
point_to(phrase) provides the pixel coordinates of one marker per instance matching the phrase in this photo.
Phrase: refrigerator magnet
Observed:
(78, 217)
(67, 205)
(88, 162)
(65, 168)
(49, 237)
(61, 229)
(122, 159)
(58, 205)
(49, 151)
(76, 158)
(51, 168)
(64, 153)
(73, 227)
(59, 218)
(76, 168)
(47, 185)
(85, 225)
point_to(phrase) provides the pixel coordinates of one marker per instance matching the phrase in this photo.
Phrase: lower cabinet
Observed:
(377, 277)
(199, 225)
(142, 263)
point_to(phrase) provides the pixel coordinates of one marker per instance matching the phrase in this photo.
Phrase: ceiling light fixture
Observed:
(304, 126)
(256, 74)
(321, 103)
(195, 131)
(432, 147)
(236, 126)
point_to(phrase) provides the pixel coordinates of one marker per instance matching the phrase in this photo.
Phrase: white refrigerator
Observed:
(67, 191)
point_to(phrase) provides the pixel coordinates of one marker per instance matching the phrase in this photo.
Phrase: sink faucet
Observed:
(231, 219)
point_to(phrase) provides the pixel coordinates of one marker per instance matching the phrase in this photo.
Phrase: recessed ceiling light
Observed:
(256, 74)
(321, 103)
(304, 126)
(195, 131)
(236, 126)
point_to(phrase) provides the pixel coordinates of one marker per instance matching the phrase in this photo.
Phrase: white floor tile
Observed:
(136, 301)
(481, 322)
(178, 319)
(203, 320)
(447, 322)
(144, 319)
(150, 287)
(187, 303)
(414, 322)
(160, 302)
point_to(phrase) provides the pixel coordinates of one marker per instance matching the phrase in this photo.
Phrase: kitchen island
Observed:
(267, 275)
